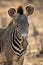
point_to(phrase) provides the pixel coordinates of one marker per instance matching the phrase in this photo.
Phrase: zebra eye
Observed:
(17, 26)
(28, 25)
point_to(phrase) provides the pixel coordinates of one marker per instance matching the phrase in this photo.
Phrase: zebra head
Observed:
(20, 19)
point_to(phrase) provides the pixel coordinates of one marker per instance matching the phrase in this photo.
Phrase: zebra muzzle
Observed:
(24, 43)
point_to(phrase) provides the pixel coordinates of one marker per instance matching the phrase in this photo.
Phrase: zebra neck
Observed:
(17, 45)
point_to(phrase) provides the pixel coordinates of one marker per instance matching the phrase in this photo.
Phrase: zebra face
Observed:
(20, 19)
(22, 25)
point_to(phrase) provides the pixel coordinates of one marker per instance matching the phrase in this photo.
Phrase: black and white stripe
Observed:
(17, 44)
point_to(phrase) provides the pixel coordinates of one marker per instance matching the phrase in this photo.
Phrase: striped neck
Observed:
(17, 44)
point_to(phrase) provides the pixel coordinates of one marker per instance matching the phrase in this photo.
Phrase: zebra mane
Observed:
(20, 10)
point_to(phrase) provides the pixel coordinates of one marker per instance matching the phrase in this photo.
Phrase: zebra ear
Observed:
(29, 10)
(11, 12)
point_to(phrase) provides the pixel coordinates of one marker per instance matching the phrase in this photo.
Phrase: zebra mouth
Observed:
(24, 39)
(24, 43)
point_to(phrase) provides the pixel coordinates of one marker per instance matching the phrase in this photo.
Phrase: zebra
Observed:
(14, 39)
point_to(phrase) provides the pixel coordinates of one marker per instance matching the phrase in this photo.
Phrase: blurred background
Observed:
(34, 54)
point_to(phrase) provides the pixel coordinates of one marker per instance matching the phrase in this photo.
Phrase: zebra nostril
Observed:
(24, 35)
